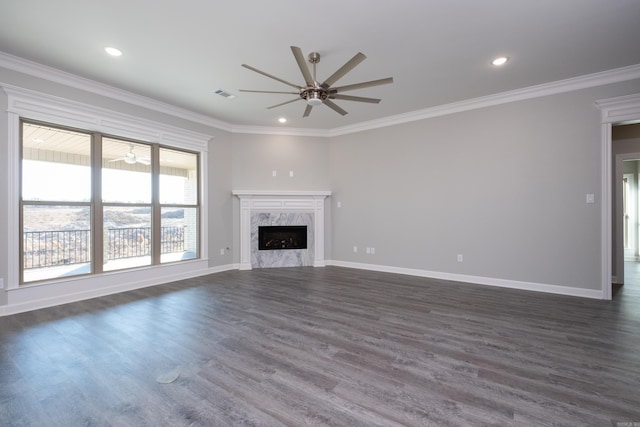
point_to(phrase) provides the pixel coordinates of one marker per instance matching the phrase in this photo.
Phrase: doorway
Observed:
(625, 231)
(618, 110)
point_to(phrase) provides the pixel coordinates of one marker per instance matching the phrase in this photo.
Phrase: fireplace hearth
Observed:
(279, 237)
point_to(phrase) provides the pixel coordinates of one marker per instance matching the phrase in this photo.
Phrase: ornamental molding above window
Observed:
(35, 105)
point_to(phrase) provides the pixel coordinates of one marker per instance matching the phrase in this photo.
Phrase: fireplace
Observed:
(264, 208)
(278, 237)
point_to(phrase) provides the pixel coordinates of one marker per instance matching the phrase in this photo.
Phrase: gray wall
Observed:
(219, 188)
(505, 186)
(255, 157)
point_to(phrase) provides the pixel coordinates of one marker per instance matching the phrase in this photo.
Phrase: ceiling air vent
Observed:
(225, 94)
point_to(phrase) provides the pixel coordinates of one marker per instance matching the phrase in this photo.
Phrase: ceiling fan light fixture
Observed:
(314, 99)
(315, 93)
(130, 160)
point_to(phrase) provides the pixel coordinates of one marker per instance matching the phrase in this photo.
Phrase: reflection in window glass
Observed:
(56, 241)
(127, 237)
(178, 177)
(126, 172)
(179, 234)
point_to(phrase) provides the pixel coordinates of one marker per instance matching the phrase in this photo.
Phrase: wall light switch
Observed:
(339, 204)
(221, 251)
(591, 198)
(460, 258)
(291, 174)
(355, 249)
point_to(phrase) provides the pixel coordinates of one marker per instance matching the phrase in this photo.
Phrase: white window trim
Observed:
(28, 104)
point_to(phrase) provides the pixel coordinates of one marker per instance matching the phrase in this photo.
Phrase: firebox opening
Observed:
(282, 237)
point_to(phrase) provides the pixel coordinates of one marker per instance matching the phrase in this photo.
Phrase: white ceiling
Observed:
(437, 51)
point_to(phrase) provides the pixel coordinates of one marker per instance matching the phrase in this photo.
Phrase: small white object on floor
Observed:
(169, 377)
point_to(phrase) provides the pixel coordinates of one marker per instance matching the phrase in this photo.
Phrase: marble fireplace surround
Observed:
(254, 202)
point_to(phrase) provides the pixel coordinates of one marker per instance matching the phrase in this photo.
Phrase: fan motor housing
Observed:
(314, 95)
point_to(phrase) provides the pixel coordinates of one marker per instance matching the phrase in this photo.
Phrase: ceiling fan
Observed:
(131, 159)
(315, 93)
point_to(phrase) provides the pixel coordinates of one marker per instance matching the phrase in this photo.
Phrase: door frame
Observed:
(619, 110)
(617, 210)
(630, 209)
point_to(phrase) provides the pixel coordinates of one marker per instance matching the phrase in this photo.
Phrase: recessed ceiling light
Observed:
(113, 51)
(500, 61)
(282, 120)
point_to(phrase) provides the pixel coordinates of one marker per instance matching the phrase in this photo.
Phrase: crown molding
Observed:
(561, 86)
(35, 69)
(269, 130)
(567, 85)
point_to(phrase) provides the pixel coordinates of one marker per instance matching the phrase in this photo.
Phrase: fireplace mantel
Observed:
(280, 194)
(252, 201)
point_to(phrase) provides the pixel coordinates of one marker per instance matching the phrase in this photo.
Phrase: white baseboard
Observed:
(220, 269)
(49, 301)
(478, 280)
(141, 281)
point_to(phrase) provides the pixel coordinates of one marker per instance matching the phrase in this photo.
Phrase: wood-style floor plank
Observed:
(324, 346)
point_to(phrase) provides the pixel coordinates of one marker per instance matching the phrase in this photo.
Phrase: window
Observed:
(92, 203)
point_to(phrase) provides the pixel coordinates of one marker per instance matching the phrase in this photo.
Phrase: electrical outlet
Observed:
(274, 173)
(369, 251)
(460, 258)
(355, 249)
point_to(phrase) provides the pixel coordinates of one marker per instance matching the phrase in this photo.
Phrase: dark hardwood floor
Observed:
(323, 346)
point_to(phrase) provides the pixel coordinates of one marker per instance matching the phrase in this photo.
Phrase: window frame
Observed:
(97, 204)
(39, 107)
(50, 202)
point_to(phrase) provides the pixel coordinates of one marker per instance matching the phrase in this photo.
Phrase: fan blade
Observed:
(334, 107)
(118, 160)
(362, 85)
(284, 103)
(145, 162)
(297, 53)
(267, 91)
(307, 110)
(350, 65)
(249, 67)
(355, 98)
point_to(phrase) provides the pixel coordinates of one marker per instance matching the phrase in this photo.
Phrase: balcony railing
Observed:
(66, 247)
